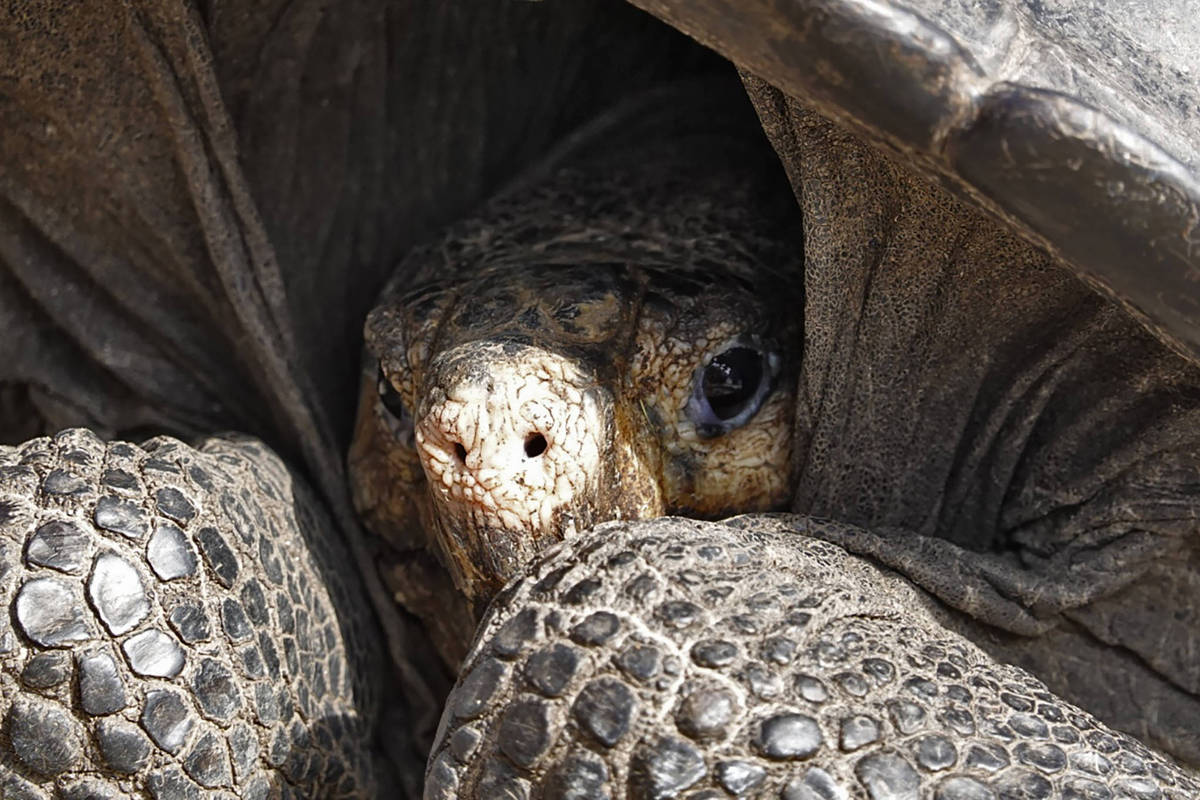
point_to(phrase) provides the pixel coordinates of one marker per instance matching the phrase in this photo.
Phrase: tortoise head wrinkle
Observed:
(590, 350)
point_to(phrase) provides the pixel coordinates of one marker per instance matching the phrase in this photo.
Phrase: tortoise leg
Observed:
(179, 623)
(673, 658)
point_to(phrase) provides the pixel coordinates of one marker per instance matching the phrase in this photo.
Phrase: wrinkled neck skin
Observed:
(1009, 439)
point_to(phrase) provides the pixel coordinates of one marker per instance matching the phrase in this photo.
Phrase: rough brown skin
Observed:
(636, 281)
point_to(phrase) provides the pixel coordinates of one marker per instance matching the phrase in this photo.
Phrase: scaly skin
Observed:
(183, 623)
(672, 658)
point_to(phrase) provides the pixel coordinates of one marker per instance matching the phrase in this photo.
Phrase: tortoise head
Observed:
(544, 369)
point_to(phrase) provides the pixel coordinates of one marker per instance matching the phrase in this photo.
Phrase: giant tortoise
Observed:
(942, 315)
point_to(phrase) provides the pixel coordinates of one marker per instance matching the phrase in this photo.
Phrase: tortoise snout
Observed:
(485, 436)
(510, 433)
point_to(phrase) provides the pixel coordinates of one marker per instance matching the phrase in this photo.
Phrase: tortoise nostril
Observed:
(535, 445)
(461, 452)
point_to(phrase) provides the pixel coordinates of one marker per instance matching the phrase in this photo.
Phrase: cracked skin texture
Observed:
(982, 422)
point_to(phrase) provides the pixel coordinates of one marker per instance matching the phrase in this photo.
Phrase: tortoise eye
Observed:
(391, 399)
(728, 390)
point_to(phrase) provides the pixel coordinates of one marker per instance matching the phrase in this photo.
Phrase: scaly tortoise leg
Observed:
(672, 658)
(180, 623)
